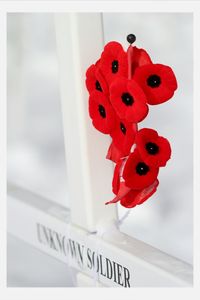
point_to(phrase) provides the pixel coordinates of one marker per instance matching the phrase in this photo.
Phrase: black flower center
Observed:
(102, 111)
(152, 148)
(142, 168)
(98, 86)
(115, 66)
(154, 81)
(123, 128)
(127, 99)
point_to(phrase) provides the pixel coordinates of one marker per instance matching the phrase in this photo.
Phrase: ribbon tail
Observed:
(113, 153)
(148, 192)
(123, 191)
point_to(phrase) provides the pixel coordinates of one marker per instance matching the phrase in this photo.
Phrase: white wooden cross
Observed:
(87, 237)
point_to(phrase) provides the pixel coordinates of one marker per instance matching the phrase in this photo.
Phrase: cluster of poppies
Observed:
(121, 85)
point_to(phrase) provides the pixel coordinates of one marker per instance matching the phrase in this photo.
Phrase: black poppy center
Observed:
(127, 99)
(98, 86)
(152, 148)
(123, 128)
(142, 168)
(154, 81)
(102, 111)
(115, 66)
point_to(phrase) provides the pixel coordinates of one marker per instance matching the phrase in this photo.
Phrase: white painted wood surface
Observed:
(146, 265)
(86, 281)
(80, 43)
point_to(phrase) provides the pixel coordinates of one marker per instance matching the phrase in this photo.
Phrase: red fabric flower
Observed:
(128, 100)
(139, 58)
(95, 80)
(113, 62)
(157, 81)
(154, 149)
(101, 112)
(137, 197)
(127, 196)
(123, 135)
(137, 174)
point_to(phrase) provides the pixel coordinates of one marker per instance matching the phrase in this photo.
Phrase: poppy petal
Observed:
(157, 81)
(154, 149)
(128, 100)
(95, 80)
(113, 62)
(137, 174)
(123, 136)
(101, 112)
(139, 58)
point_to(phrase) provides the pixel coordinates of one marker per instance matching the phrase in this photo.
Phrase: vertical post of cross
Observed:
(80, 43)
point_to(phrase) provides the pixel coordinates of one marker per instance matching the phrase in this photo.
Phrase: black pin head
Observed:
(131, 38)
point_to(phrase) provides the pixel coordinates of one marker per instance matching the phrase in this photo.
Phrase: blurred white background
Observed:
(36, 158)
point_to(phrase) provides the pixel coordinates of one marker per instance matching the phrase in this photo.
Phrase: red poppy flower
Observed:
(157, 81)
(113, 62)
(95, 80)
(137, 174)
(137, 197)
(101, 112)
(139, 58)
(155, 150)
(123, 135)
(127, 196)
(128, 100)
